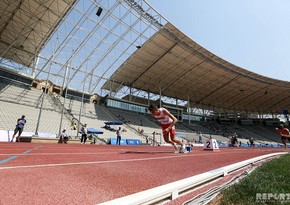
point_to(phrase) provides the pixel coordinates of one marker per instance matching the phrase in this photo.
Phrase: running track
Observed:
(33, 173)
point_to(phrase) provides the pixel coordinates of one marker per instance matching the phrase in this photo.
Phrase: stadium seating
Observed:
(49, 122)
(17, 98)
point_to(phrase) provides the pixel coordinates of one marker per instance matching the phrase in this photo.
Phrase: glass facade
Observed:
(192, 117)
(143, 109)
(127, 106)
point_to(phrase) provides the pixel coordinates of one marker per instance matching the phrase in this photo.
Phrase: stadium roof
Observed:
(86, 48)
(26, 25)
(172, 64)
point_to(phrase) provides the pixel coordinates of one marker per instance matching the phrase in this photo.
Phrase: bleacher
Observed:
(262, 132)
(245, 131)
(200, 128)
(73, 104)
(18, 93)
(95, 116)
(20, 100)
(180, 127)
(135, 121)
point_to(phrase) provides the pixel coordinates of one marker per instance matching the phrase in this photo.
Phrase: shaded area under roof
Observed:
(172, 63)
(26, 25)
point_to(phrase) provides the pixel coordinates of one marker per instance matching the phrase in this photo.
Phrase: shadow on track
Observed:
(135, 152)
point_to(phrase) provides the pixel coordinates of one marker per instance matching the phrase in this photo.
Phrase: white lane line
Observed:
(113, 161)
(87, 149)
(97, 162)
(74, 153)
(81, 153)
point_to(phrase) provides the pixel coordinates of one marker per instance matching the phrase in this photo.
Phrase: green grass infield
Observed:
(268, 184)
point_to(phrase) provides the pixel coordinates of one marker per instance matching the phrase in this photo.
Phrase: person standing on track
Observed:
(168, 122)
(19, 128)
(284, 133)
(119, 135)
(84, 131)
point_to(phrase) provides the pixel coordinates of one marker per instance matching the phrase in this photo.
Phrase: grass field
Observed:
(268, 184)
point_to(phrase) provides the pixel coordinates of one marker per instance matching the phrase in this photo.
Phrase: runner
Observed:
(168, 122)
(284, 133)
(19, 128)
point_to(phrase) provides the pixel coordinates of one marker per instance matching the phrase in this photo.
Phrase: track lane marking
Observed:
(61, 153)
(112, 161)
(15, 156)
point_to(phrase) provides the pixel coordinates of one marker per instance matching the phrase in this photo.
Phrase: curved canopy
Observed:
(168, 63)
(94, 131)
(172, 64)
(26, 25)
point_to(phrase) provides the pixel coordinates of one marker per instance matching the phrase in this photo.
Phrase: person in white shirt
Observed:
(168, 122)
(63, 137)
(84, 131)
(119, 135)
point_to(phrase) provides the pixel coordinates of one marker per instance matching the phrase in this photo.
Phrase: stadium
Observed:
(65, 64)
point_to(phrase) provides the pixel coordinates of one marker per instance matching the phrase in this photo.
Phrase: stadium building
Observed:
(66, 63)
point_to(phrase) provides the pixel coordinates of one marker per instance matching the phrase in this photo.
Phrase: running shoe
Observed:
(183, 151)
(177, 150)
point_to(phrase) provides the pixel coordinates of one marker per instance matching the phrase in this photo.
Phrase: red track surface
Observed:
(90, 174)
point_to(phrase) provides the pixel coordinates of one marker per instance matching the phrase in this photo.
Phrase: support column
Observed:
(130, 95)
(188, 110)
(236, 117)
(36, 61)
(160, 94)
(64, 84)
(82, 102)
(42, 99)
(148, 98)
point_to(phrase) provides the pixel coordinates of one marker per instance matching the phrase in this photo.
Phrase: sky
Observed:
(252, 34)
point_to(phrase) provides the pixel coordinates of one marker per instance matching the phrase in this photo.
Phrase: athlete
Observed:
(168, 122)
(284, 133)
(19, 128)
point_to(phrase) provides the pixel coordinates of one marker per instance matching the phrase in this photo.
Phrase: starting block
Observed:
(211, 145)
(188, 148)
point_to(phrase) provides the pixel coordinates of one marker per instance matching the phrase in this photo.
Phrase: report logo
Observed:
(273, 197)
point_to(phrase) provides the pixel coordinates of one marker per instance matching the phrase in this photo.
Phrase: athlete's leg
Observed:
(15, 132)
(177, 141)
(166, 138)
(19, 133)
(172, 132)
(283, 139)
(166, 134)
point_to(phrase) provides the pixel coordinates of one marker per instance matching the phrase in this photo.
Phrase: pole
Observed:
(62, 108)
(188, 109)
(42, 99)
(81, 108)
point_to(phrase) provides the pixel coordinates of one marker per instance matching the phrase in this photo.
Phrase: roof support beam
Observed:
(152, 64)
(218, 88)
(11, 17)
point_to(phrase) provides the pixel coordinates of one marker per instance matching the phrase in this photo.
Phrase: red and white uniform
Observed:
(283, 132)
(165, 121)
